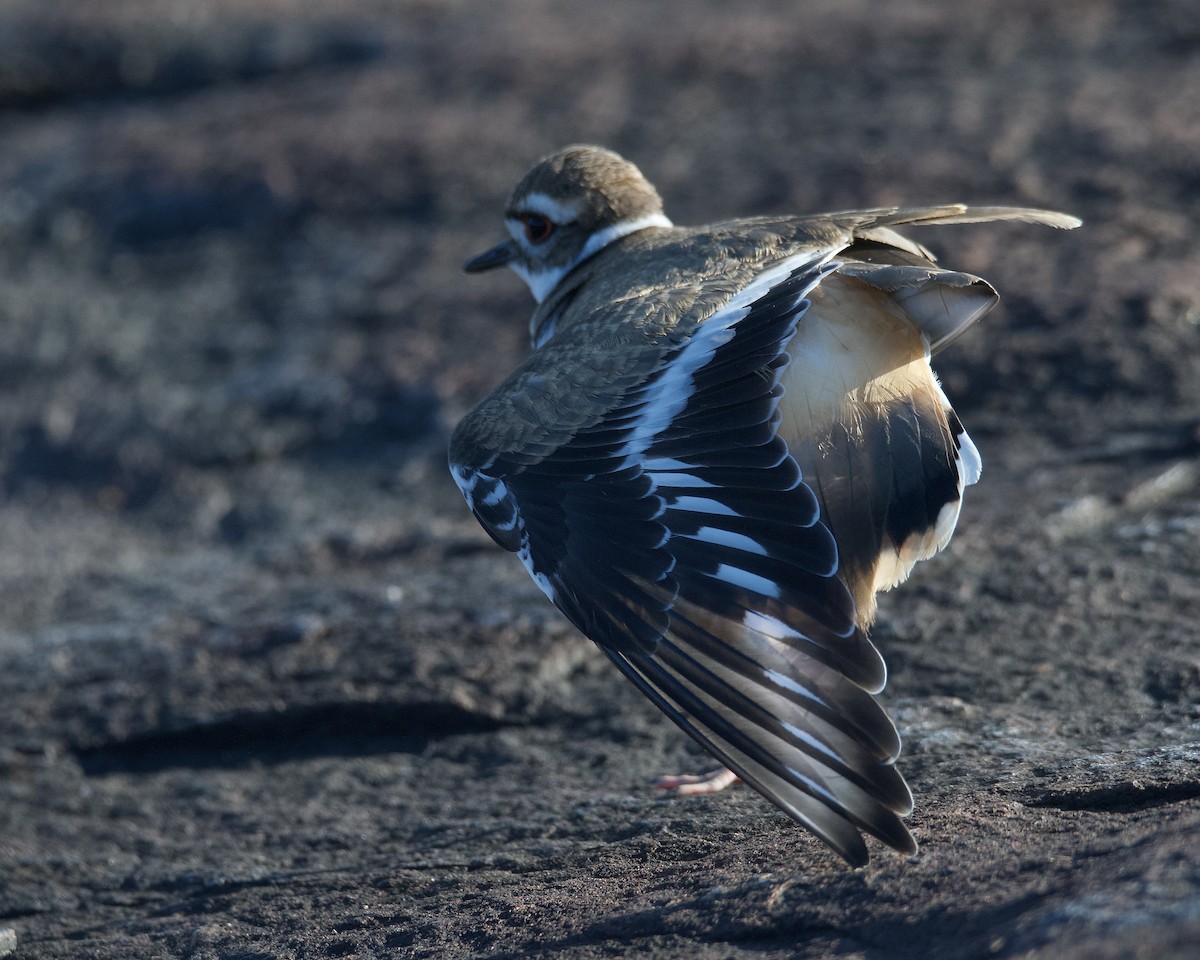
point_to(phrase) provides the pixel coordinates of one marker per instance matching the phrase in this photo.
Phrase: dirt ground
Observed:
(268, 690)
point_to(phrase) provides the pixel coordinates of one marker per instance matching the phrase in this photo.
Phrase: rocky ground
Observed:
(268, 690)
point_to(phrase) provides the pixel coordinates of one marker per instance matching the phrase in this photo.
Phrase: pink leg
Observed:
(694, 785)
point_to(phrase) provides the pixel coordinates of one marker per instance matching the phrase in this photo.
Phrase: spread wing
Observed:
(675, 530)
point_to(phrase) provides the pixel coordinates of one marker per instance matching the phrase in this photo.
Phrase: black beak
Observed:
(498, 256)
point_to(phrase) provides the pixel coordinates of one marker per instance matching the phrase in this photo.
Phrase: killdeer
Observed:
(726, 441)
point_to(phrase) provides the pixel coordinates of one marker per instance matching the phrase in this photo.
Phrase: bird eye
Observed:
(537, 227)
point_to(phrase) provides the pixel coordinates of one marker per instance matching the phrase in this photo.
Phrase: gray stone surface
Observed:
(269, 692)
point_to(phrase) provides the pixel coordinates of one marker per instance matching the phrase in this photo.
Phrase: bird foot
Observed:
(694, 785)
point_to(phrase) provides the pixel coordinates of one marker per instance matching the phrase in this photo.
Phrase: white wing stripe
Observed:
(668, 395)
(748, 581)
(727, 538)
(702, 505)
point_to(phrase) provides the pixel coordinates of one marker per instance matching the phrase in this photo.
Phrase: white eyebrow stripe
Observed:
(560, 213)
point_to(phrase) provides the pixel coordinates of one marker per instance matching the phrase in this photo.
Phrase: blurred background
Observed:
(234, 336)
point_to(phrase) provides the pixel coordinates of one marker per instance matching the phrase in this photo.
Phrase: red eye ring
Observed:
(537, 228)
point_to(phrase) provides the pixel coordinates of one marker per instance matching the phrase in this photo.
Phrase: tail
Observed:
(860, 220)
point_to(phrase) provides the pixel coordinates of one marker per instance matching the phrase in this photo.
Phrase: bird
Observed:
(725, 441)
